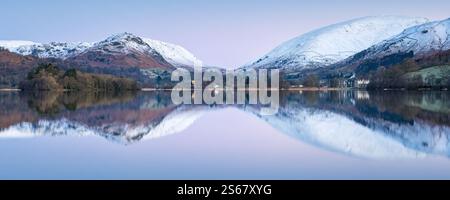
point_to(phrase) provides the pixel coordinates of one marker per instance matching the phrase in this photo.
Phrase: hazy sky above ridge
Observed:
(226, 33)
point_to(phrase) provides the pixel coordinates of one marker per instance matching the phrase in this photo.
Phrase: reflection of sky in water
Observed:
(221, 144)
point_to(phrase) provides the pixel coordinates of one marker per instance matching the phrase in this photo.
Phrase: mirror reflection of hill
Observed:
(396, 106)
(387, 124)
(124, 117)
(375, 125)
(14, 110)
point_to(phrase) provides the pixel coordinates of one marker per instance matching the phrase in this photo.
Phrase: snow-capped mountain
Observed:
(121, 50)
(421, 39)
(334, 43)
(51, 50)
(123, 43)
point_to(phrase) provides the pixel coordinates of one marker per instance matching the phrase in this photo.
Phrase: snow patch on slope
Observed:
(14, 44)
(174, 54)
(421, 39)
(123, 43)
(53, 50)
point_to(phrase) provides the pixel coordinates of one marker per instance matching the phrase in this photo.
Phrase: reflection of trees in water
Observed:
(367, 123)
(301, 99)
(122, 117)
(311, 98)
(428, 106)
(142, 109)
(44, 102)
(51, 102)
(14, 110)
(394, 106)
(114, 115)
(86, 107)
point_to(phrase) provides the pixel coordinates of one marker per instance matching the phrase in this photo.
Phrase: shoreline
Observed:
(319, 89)
(10, 90)
(281, 89)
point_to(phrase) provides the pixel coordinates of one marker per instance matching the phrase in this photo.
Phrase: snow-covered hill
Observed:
(421, 39)
(334, 43)
(174, 54)
(122, 43)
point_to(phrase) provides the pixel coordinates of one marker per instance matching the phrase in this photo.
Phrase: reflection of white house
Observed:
(362, 95)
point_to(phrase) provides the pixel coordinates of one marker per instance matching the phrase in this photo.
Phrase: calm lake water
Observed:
(315, 135)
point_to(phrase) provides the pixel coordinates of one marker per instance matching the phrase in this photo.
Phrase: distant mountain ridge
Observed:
(149, 62)
(118, 43)
(334, 43)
